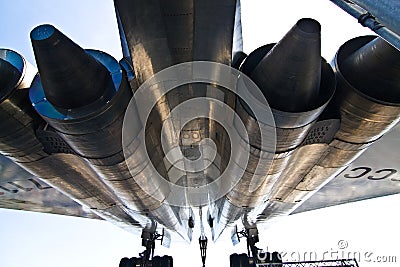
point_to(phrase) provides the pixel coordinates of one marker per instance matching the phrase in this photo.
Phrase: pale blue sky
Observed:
(41, 240)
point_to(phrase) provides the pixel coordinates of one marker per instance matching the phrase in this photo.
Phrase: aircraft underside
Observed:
(186, 130)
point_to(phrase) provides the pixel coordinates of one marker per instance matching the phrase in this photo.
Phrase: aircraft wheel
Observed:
(241, 260)
(124, 262)
(167, 261)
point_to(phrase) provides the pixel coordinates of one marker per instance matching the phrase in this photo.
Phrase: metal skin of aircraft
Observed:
(186, 130)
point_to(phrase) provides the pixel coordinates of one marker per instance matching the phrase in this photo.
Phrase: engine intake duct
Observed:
(10, 75)
(298, 84)
(371, 66)
(17, 143)
(94, 128)
(16, 71)
(368, 103)
(20, 141)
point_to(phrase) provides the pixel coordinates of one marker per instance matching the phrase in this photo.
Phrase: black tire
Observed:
(134, 261)
(241, 260)
(167, 261)
(233, 260)
(124, 262)
(244, 261)
(156, 261)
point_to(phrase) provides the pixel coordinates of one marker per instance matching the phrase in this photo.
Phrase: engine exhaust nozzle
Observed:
(289, 74)
(71, 78)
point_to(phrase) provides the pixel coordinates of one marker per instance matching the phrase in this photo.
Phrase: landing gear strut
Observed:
(202, 239)
(254, 256)
(146, 258)
(203, 248)
(149, 242)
